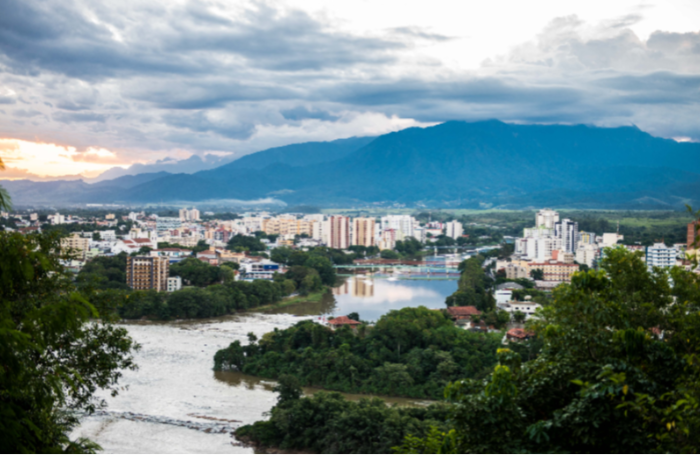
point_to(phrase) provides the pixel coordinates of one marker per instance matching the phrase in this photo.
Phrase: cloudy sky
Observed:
(87, 85)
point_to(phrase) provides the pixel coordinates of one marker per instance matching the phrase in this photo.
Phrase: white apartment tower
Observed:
(660, 255)
(454, 229)
(546, 218)
(339, 232)
(403, 224)
(567, 231)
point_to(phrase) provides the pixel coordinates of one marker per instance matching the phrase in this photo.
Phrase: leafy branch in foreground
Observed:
(55, 353)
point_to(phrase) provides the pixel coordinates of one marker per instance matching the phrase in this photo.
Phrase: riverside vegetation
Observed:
(618, 371)
(412, 352)
(211, 292)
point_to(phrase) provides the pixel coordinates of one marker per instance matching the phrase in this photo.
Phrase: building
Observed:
(454, 229)
(259, 270)
(172, 253)
(343, 320)
(387, 241)
(166, 223)
(363, 232)
(527, 308)
(567, 231)
(110, 216)
(57, 219)
(660, 255)
(693, 232)
(586, 237)
(611, 239)
(587, 253)
(402, 224)
(339, 232)
(76, 246)
(555, 271)
(563, 256)
(546, 218)
(462, 315)
(174, 283)
(537, 249)
(189, 215)
(503, 296)
(143, 272)
(519, 335)
(515, 271)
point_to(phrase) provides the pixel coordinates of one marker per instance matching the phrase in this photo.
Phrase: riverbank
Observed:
(313, 297)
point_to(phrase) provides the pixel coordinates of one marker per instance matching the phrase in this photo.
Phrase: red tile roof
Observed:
(462, 312)
(520, 333)
(343, 320)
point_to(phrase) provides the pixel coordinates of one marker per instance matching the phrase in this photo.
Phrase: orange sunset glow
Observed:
(25, 159)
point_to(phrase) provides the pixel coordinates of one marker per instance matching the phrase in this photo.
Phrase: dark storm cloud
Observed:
(164, 75)
(54, 36)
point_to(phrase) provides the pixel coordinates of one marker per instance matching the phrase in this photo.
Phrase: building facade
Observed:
(660, 255)
(145, 273)
(339, 235)
(546, 218)
(76, 246)
(567, 231)
(363, 232)
(454, 229)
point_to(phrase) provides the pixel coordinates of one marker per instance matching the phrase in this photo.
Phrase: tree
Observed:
(389, 254)
(354, 316)
(617, 371)
(96, 236)
(5, 199)
(55, 351)
(519, 317)
(537, 274)
(241, 242)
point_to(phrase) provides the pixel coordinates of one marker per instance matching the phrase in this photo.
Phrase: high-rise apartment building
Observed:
(339, 232)
(363, 231)
(147, 272)
(189, 215)
(453, 229)
(693, 229)
(76, 246)
(567, 231)
(546, 218)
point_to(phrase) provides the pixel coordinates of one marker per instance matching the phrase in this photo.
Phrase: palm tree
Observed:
(5, 200)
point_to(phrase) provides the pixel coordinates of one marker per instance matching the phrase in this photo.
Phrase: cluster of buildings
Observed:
(138, 234)
(557, 247)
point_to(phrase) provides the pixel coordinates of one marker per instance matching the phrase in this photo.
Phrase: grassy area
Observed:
(312, 298)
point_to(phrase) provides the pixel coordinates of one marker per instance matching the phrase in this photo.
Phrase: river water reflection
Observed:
(371, 298)
(175, 403)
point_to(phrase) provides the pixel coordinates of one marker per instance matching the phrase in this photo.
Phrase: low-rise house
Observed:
(263, 269)
(462, 315)
(519, 335)
(527, 308)
(174, 254)
(343, 320)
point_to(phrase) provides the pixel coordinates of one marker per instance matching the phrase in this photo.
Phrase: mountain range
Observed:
(454, 164)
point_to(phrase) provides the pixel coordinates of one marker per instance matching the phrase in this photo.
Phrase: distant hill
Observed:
(456, 164)
(188, 166)
(306, 154)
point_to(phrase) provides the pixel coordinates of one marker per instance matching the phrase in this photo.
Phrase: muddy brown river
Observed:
(176, 403)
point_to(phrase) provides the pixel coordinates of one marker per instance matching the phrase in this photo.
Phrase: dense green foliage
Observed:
(190, 303)
(618, 372)
(474, 287)
(104, 272)
(412, 352)
(52, 359)
(198, 273)
(408, 247)
(320, 259)
(240, 242)
(328, 423)
(214, 292)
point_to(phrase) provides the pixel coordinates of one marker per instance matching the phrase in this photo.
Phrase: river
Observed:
(176, 403)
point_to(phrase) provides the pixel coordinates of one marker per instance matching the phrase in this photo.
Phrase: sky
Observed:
(88, 85)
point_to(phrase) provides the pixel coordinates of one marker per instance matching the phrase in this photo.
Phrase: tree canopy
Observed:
(618, 371)
(53, 358)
